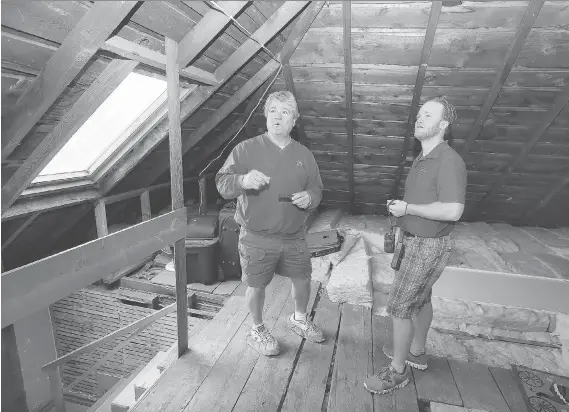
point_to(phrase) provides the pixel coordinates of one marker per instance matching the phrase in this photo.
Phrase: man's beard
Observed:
(427, 134)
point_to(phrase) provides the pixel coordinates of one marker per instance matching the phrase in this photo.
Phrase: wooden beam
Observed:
(145, 205)
(289, 82)
(46, 204)
(229, 67)
(177, 189)
(558, 187)
(71, 121)
(20, 229)
(300, 29)
(101, 218)
(63, 66)
(14, 396)
(144, 55)
(522, 32)
(29, 288)
(425, 54)
(558, 105)
(347, 18)
(207, 29)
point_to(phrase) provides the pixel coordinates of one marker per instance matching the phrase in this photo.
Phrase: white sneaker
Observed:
(262, 341)
(306, 329)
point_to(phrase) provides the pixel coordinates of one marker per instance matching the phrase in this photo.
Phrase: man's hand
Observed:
(255, 180)
(397, 207)
(301, 199)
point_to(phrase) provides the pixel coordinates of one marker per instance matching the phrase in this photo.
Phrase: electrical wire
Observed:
(264, 93)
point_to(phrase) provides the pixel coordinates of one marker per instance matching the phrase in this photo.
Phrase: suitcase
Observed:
(228, 241)
(323, 243)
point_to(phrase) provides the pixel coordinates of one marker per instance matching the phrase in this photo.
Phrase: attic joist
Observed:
(558, 105)
(75, 51)
(425, 54)
(144, 55)
(27, 289)
(522, 32)
(83, 108)
(232, 65)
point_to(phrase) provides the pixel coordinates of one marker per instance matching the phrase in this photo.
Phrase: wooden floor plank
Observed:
(477, 387)
(223, 384)
(509, 388)
(227, 287)
(351, 363)
(267, 383)
(174, 388)
(308, 384)
(437, 383)
(210, 343)
(380, 328)
(406, 397)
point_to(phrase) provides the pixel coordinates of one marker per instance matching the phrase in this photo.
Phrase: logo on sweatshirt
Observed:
(299, 163)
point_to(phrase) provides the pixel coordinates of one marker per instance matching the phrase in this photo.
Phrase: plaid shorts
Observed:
(423, 262)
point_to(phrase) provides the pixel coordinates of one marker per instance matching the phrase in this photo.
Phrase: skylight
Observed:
(105, 128)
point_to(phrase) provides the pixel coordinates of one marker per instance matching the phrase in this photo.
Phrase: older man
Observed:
(262, 172)
(434, 199)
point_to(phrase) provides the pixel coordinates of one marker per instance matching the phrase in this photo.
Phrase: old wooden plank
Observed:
(381, 335)
(558, 187)
(223, 385)
(509, 388)
(268, 381)
(227, 287)
(437, 383)
(353, 355)
(477, 387)
(307, 387)
(425, 56)
(76, 50)
(32, 287)
(83, 108)
(522, 32)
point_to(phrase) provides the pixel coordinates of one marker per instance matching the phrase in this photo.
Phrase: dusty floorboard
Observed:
(221, 373)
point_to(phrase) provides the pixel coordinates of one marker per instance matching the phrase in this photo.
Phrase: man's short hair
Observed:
(449, 113)
(283, 96)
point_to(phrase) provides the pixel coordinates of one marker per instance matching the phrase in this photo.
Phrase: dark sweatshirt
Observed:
(292, 169)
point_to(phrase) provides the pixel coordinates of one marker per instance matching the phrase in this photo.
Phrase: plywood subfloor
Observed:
(221, 373)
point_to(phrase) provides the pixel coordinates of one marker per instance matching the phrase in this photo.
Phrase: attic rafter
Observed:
(425, 54)
(246, 51)
(556, 108)
(84, 107)
(289, 82)
(522, 32)
(20, 229)
(212, 23)
(133, 51)
(75, 51)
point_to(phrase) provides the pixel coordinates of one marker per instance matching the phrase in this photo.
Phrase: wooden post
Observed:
(56, 389)
(13, 392)
(101, 218)
(347, 11)
(203, 196)
(145, 205)
(177, 188)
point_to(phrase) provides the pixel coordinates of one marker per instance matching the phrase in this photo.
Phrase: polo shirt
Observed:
(439, 176)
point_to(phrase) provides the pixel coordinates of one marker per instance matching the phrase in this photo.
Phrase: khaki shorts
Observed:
(261, 257)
